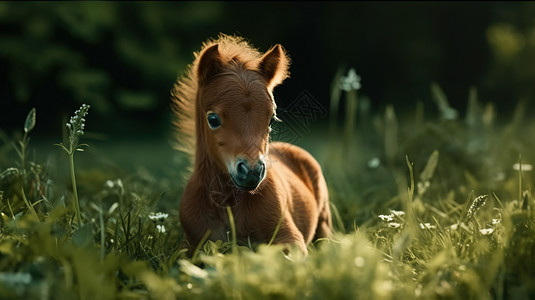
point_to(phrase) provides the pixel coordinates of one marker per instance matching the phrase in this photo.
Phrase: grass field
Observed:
(429, 206)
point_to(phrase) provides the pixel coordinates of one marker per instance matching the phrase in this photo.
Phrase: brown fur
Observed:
(234, 80)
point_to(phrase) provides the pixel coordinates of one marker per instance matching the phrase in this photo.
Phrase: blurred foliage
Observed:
(122, 58)
(513, 49)
(116, 56)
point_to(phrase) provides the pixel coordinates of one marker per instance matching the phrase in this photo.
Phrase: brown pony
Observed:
(224, 106)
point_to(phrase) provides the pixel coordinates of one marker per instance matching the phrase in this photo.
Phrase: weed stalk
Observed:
(76, 127)
(22, 148)
(232, 227)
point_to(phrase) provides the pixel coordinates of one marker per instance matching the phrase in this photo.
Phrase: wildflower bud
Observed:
(30, 121)
(476, 205)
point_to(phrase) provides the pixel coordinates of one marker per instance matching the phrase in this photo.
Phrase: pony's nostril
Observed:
(242, 169)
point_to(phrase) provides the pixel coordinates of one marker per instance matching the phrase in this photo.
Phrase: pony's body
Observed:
(224, 108)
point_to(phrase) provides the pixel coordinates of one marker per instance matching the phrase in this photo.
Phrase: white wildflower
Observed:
(119, 183)
(427, 226)
(525, 167)
(161, 228)
(486, 231)
(374, 163)
(159, 216)
(351, 81)
(387, 218)
(75, 127)
(397, 213)
(114, 183)
(394, 225)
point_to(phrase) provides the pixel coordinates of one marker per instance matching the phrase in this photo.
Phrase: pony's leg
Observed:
(324, 225)
(324, 228)
(290, 235)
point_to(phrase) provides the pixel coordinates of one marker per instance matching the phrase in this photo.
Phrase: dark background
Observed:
(122, 58)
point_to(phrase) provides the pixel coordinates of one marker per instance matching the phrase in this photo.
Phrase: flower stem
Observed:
(30, 207)
(74, 189)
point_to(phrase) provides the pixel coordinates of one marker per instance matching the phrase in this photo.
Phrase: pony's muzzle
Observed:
(247, 177)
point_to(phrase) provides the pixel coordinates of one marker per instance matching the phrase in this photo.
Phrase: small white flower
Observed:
(394, 225)
(161, 228)
(427, 226)
(374, 163)
(159, 216)
(119, 183)
(496, 221)
(397, 213)
(387, 218)
(525, 167)
(351, 81)
(111, 184)
(486, 231)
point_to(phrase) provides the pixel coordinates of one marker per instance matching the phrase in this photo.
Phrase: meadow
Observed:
(427, 204)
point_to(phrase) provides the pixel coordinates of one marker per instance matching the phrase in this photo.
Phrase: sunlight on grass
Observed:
(426, 207)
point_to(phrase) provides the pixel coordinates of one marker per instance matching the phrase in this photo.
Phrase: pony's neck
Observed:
(205, 165)
(215, 185)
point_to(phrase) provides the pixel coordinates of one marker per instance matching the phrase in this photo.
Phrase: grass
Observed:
(429, 207)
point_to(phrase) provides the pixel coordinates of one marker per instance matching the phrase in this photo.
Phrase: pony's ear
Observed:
(274, 66)
(209, 63)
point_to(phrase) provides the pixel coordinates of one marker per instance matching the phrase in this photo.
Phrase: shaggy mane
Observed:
(184, 92)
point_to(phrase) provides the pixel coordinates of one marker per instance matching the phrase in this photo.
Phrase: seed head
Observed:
(476, 205)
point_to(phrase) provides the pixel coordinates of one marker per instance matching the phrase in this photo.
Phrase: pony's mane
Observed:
(184, 92)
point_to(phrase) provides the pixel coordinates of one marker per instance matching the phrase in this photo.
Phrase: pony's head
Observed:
(235, 107)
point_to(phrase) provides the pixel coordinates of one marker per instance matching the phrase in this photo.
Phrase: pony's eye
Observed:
(213, 120)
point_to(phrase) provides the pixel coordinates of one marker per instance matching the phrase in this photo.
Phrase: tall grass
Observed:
(432, 207)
